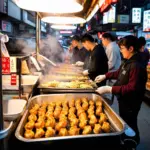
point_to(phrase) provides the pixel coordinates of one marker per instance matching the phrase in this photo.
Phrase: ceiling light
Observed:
(63, 20)
(65, 27)
(93, 12)
(51, 6)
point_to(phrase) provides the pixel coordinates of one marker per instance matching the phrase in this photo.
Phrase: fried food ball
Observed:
(79, 111)
(84, 100)
(91, 107)
(82, 124)
(93, 120)
(91, 103)
(90, 111)
(97, 129)
(65, 103)
(49, 132)
(99, 110)
(40, 124)
(72, 110)
(49, 114)
(41, 113)
(39, 133)
(98, 103)
(33, 111)
(29, 134)
(87, 130)
(50, 108)
(74, 122)
(72, 103)
(103, 118)
(32, 117)
(85, 106)
(65, 112)
(106, 127)
(57, 113)
(29, 125)
(36, 106)
(83, 116)
(78, 101)
(63, 132)
(74, 130)
(50, 122)
(61, 124)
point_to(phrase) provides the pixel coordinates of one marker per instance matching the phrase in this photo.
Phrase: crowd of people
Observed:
(118, 68)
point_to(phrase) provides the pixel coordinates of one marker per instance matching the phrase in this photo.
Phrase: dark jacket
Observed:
(98, 63)
(79, 54)
(130, 86)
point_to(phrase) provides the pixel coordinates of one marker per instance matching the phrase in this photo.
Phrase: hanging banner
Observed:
(5, 65)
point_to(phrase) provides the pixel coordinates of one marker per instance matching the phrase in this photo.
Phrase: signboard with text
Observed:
(136, 15)
(146, 21)
(5, 65)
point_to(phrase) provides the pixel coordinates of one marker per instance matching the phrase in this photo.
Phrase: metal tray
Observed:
(118, 126)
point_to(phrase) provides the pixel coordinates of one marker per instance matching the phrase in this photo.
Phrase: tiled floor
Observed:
(143, 124)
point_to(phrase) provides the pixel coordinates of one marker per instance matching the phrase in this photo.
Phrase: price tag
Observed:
(5, 65)
(13, 79)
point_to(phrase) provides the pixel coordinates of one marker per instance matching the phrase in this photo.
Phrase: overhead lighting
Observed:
(51, 6)
(63, 20)
(65, 27)
(93, 12)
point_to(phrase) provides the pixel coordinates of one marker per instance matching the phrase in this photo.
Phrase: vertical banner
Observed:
(5, 65)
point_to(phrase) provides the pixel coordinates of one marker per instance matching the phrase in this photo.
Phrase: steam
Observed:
(51, 49)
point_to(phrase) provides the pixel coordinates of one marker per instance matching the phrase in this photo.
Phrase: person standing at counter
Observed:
(98, 63)
(144, 53)
(130, 85)
(80, 55)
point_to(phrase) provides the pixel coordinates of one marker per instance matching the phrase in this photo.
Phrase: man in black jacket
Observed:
(98, 63)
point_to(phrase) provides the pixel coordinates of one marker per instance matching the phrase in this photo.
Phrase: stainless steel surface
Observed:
(117, 124)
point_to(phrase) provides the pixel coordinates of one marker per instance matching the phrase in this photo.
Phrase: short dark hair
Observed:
(109, 36)
(128, 41)
(87, 37)
(76, 38)
(141, 41)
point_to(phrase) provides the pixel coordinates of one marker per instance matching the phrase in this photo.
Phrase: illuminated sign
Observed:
(65, 32)
(146, 21)
(136, 15)
(106, 4)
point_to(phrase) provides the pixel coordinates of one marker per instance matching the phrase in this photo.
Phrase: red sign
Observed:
(13, 79)
(106, 4)
(5, 65)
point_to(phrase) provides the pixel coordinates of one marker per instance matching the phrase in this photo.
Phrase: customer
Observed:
(130, 86)
(114, 58)
(80, 54)
(98, 63)
(144, 53)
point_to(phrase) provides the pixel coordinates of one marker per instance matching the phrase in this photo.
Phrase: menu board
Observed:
(146, 20)
(136, 15)
(110, 16)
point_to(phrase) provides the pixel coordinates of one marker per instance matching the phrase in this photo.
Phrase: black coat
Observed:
(98, 63)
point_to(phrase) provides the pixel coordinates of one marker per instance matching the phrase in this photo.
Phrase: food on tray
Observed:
(73, 84)
(63, 118)
(29, 134)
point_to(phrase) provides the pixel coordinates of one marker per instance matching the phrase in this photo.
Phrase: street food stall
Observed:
(67, 111)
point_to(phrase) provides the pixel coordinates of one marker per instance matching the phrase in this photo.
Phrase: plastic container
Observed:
(13, 108)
